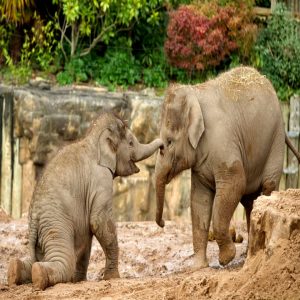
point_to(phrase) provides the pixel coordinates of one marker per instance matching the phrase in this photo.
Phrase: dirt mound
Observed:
(272, 268)
(157, 263)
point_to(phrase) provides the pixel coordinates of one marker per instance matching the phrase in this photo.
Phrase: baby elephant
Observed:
(73, 201)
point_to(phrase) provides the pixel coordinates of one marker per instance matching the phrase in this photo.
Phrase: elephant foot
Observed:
(79, 277)
(14, 273)
(110, 274)
(39, 277)
(200, 262)
(227, 253)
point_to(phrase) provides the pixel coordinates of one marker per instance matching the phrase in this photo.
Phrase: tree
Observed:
(85, 23)
(17, 11)
(200, 37)
(278, 52)
(14, 14)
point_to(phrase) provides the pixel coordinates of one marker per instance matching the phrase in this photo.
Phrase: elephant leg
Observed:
(58, 265)
(269, 185)
(104, 229)
(273, 167)
(247, 202)
(19, 271)
(201, 208)
(230, 186)
(82, 264)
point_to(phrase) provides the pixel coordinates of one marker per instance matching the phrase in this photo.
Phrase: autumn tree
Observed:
(201, 36)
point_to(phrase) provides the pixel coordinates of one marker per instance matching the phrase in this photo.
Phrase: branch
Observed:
(96, 40)
(75, 36)
(63, 36)
(64, 33)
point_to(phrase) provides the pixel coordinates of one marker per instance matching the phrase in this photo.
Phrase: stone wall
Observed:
(36, 122)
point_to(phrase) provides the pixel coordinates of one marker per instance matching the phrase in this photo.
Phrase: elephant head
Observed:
(117, 147)
(181, 128)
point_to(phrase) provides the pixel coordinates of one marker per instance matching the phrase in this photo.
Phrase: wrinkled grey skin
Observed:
(72, 203)
(232, 138)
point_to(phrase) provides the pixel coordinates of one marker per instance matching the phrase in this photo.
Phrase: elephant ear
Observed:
(107, 149)
(196, 122)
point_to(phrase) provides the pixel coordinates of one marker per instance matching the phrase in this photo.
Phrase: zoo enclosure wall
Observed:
(34, 124)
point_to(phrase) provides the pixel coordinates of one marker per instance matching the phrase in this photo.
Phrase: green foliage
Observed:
(40, 46)
(118, 67)
(64, 78)
(178, 74)
(155, 77)
(278, 52)
(236, 3)
(94, 22)
(77, 70)
(186, 77)
(16, 74)
(154, 66)
(16, 11)
(176, 3)
(147, 41)
(6, 32)
(263, 3)
(10, 72)
(148, 38)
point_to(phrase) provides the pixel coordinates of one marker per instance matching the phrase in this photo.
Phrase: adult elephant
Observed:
(229, 131)
(72, 203)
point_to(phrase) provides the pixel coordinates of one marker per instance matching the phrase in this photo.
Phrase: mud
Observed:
(157, 263)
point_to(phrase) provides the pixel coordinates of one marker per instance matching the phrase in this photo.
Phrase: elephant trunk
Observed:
(146, 150)
(160, 185)
(160, 198)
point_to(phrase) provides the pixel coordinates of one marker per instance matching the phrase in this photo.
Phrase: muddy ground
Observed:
(157, 263)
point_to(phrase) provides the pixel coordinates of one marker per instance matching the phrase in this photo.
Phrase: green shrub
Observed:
(16, 74)
(37, 52)
(40, 46)
(278, 52)
(118, 67)
(148, 39)
(79, 69)
(178, 74)
(263, 3)
(154, 67)
(64, 78)
(6, 31)
(155, 77)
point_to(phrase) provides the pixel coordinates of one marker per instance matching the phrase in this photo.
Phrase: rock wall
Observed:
(37, 122)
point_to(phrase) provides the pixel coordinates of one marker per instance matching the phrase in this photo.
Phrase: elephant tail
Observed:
(292, 147)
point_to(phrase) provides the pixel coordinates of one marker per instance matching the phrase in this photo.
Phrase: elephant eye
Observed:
(131, 143)
(169, 142)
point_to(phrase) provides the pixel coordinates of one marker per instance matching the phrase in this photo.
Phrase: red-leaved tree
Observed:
(196, 41)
